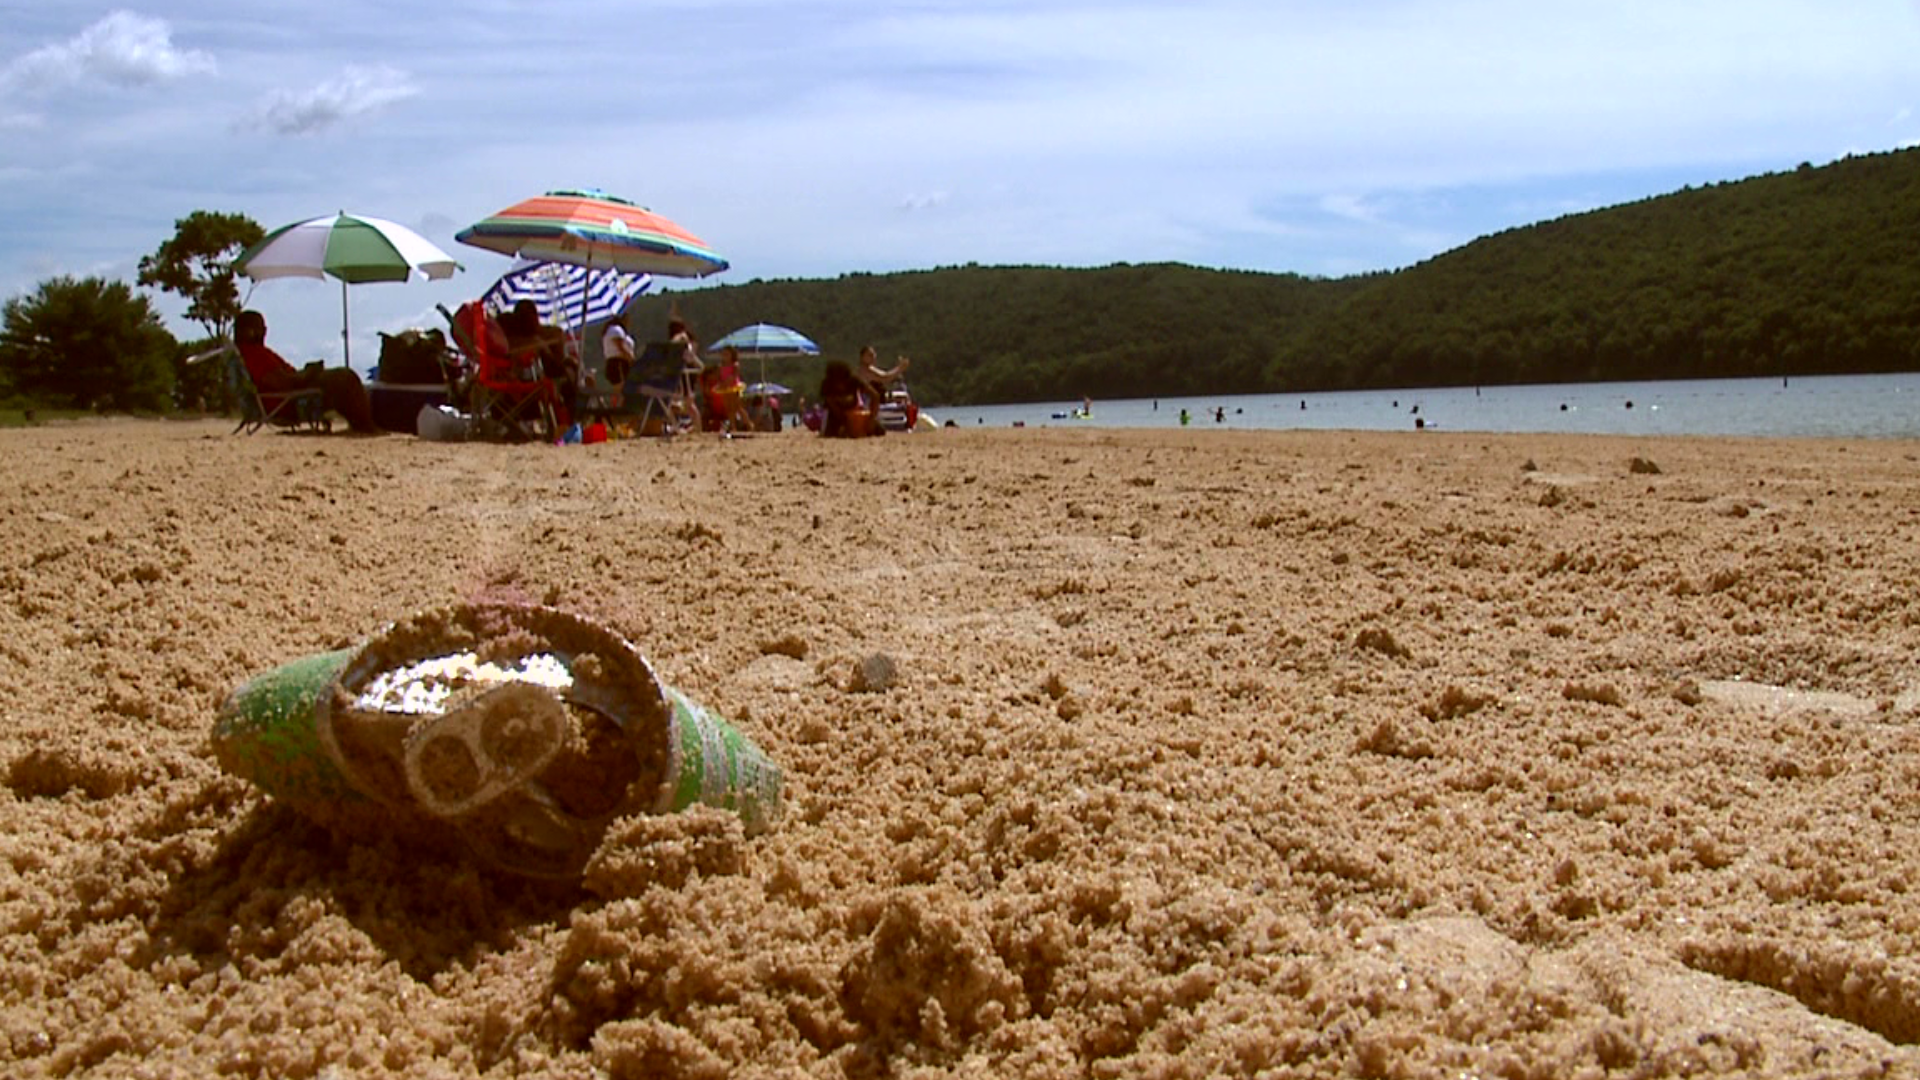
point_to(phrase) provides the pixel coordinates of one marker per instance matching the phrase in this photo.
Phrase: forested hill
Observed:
(1815, 271)
(996, 334)
(1808, 272)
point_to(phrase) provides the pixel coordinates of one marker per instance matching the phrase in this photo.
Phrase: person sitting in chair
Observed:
(848, 415)
(529, 339)
(879, 379)
(340, 389)
(724, 389)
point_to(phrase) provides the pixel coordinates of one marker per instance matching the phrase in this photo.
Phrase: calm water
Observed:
(1846, 406)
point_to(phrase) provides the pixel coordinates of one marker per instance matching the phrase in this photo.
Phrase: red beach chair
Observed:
(506, 401)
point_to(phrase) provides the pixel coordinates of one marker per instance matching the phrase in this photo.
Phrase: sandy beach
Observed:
(1204, 754)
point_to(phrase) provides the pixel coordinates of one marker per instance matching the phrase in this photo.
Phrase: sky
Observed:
(811, 140)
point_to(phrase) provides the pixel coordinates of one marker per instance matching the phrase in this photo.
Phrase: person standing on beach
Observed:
(680, 335)
(616, 358)
(616, 350)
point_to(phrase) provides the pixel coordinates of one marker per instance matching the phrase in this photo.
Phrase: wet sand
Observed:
(1203, 754)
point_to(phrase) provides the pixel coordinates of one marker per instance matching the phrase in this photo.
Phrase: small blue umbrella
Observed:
(766, 339)
(559, 291)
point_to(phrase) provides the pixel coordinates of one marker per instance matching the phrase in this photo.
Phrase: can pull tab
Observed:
(479, 767)
(494, 745)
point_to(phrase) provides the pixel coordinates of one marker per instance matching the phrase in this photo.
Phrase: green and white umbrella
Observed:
(349, 248)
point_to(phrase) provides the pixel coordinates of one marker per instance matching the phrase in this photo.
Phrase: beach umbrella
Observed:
(350, 248)
(593, 228)
(558, 289)
(764, 340)
(765, 389)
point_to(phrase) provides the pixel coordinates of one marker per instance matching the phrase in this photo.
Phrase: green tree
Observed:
(87, 344)
(197, 264)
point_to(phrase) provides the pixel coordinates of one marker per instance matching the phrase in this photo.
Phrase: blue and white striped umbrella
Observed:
(764, 340)
(558, 289)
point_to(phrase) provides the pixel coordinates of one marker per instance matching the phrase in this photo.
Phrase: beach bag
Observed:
(442, 423)
(412, 357)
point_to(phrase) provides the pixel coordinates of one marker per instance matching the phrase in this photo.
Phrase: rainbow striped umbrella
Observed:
(594, 229)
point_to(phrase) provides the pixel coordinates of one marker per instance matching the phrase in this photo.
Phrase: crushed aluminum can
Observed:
(524, 731)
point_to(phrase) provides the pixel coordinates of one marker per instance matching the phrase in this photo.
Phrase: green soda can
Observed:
(522, 731)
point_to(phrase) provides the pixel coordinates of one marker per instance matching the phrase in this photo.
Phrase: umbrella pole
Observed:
(346, 344)
(586, 286)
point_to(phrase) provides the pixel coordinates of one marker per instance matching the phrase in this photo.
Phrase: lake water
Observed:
(1840, 406)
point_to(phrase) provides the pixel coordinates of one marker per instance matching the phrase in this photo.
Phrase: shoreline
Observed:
(1837, 406)
(219, 427)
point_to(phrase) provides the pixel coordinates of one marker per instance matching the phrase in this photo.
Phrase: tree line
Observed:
(1797, 273)
(91, 344)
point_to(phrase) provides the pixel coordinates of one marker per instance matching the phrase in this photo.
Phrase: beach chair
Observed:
(897, 412)
(288, 410)
(664, 385)
(505, 402)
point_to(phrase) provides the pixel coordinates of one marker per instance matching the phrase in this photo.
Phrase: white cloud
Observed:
(124, 49)
(357, 92)
(1351, 207)
(926, 200)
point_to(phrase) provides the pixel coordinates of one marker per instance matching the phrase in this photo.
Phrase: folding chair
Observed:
(504, 403)
(290, 410)
(662, 379)
(897, 412)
